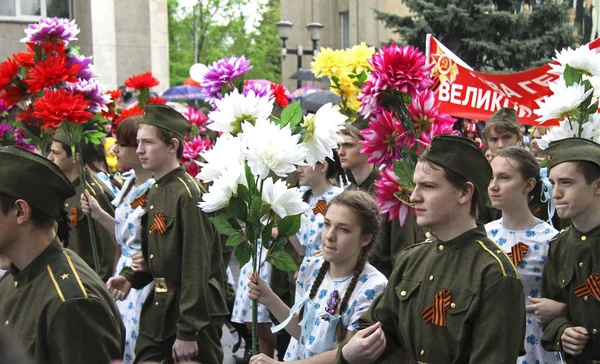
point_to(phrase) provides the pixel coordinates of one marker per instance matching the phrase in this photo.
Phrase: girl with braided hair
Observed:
(333, 289)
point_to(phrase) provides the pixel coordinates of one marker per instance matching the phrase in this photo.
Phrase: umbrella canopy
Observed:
(184, 92)
(304, 91)
(314, 101)
(305, 74)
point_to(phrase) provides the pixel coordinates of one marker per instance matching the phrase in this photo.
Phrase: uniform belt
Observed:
(161, 286)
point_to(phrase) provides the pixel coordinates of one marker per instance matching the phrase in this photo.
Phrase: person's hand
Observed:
(274, 233)
(259, 290)
(119, 287)
(262, 359)
(574, 340)
(184, 351)
(89, 205)
(138, 263)
(366, 346)
(546, 309)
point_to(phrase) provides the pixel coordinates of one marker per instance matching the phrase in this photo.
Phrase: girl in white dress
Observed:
(129, 210)
(333, 289)
(525, 239)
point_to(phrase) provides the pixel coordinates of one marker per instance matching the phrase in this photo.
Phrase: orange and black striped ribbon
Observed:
(140, 201)
(158, 223)
(517, 253)
(436, 313)
(591, 286)
(321, 208)
(74, 216)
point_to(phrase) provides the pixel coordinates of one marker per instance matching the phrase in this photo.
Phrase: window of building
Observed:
(345, 28)
(33, 10)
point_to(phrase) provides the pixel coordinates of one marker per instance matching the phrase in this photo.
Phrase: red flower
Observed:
(57, 106)
(24, 59)
(127, 113)
(384, 139)
(156, 100)
(193, 148)
(191, 168)
(393, 198)
(424, 111)
(57, 47)
(115, 95)
(8, 70)
(26, 116)
(279, 94)
(51, 72)
(143, 80)
(196, 117)
(12, 95)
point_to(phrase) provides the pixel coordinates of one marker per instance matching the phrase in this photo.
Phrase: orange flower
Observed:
(51, 72)
(156, 100)
(24, 59)
(143, 80)
(127, 113)
(8, 70)
(59, 105)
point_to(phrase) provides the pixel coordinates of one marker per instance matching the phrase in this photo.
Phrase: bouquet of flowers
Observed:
(197, 142)
(575, 96)
(348, 70)
(246, 167)
(404, 117)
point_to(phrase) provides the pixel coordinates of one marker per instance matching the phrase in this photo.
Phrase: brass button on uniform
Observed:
(498, 251)
(66, 205)
(586, 298)
(584, 238)
(580, 264)
(16, 284)
(422, 352)
(93, 184)
(156, 185)
(441, 247)
(151, 207)
(453, 305)
(151, 256)
(594, 331)
(156, 303)
(431, 278)
(6, 323)
(197, 333)
(403, 293)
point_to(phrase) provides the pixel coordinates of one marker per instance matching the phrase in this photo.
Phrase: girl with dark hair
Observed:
(332, 290)
(526, 240)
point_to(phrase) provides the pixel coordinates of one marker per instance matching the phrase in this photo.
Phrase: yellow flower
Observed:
(346, 85)
(352, 103)
(327, 63)
(358, 57)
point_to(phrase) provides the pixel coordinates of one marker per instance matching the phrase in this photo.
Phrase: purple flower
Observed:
(14, 137)
(91, 90)
(86, 70)
(5, 128)
(260, 89)
(51, 29)
(223, 72)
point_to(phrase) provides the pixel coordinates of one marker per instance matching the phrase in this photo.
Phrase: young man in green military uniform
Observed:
(455, 298)
(572, 271)
(53, 304)
(183, 317)
(79, 240)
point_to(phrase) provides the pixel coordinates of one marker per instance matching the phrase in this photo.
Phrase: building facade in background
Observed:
(125, 37)
(346, 23)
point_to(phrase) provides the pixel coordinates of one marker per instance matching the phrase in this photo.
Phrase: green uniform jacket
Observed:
(572, 259)
(394, 238)
(79, 240)
(485, 315)
(187, 256)
(59, 310)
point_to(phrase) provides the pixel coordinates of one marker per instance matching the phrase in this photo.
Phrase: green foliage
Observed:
(488, 35)
(282, 261)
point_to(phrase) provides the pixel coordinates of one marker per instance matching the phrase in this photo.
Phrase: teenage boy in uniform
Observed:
(453, 298)
(182, 318)
(572, 271)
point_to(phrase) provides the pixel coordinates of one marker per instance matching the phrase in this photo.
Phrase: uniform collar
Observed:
(594, 233)
(469, 236)
(367, 184)
(171, 175)
(38, 265)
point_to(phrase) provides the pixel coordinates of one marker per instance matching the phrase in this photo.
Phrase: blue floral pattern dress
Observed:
(127, 233)
(318, 326)
(529, 249)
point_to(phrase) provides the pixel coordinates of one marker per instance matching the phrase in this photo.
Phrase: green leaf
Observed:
(250, 178)
(281, 241)
(282, 261)
(222, 225)
(571, 75)
(254, 215)
(266, 235)
(234, 239)
(243, 253)
(292, 115)
(243, 193)
(289, 225)
(238, 208)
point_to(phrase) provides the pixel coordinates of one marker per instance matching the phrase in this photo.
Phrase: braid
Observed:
(316, 284)
(360, 265)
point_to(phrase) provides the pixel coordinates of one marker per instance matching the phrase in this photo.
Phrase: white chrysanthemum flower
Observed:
(223, 189)
(591, 129)
(226, 152)
(267, 147)
(563, 101)
(562, 131)
(322, 133)
(235, 108)
(595, 82)
(283, 201)
(582, 58)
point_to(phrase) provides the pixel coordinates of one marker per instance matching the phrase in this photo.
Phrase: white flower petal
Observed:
(582, 58)
(328, 121)
(234, 108)
(227, 151)
(563, 101)
(283, 201)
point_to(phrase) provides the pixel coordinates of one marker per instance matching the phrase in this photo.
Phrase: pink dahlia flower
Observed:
(369, 96)
(384, 139)
(424, 110)
(393, 198)
(192, 149)
(196, 117)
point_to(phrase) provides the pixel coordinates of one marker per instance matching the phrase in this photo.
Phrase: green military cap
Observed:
(463, 157)
(61, 136)
(166, 117)
(572, 150)
(35, 179)
(505, 114)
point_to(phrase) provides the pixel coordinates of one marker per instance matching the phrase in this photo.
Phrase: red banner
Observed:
(469, 94)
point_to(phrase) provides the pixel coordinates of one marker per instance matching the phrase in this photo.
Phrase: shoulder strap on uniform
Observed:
(502, 266)
(427, 241)
(65, 278)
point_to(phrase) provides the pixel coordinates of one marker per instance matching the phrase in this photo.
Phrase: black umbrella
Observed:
(314, 101)
(305, 74)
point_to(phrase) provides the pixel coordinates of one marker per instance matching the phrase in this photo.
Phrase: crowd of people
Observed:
(498, 263)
